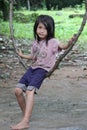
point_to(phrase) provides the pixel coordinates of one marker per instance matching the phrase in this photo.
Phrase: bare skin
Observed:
(26, 108)
(20, 99)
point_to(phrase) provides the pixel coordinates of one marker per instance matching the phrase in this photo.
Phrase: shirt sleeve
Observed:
(55, 47)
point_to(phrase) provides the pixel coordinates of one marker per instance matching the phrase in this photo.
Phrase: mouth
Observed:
(42, 35)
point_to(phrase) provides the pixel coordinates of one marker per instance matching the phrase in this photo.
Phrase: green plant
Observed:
(22, 18)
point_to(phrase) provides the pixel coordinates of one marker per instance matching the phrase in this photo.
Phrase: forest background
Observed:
(67, 16)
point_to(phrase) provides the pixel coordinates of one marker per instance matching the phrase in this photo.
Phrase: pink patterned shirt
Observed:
(44, 56)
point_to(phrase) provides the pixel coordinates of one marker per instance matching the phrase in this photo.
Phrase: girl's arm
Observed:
(65, 46)
(29, 57)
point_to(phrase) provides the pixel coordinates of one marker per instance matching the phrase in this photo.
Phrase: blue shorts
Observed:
(33, 78)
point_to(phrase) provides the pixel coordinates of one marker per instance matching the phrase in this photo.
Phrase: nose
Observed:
(42, 30)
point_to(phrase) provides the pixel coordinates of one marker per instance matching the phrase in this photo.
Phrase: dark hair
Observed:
(48, 23)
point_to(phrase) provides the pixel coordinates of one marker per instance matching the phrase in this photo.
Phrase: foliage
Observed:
(4, 7)
(1, 15)
(22, 18)
(65, 26)
(59, 4)
(36, 4)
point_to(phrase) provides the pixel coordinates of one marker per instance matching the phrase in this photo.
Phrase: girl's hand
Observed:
(72, 39)
(19, 52)
(65, 46)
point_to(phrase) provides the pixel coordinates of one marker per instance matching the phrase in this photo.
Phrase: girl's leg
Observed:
(28, 111)
(20, 99)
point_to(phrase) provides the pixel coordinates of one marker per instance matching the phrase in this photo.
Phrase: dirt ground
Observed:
(61, 103)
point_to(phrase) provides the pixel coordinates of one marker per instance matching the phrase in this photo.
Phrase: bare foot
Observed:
(20, 126)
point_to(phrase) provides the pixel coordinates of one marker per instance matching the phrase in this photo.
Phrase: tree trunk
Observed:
(28, 4)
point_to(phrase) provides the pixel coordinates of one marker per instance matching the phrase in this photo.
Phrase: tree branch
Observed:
(72, 44)
(61, 56)
(12, 31)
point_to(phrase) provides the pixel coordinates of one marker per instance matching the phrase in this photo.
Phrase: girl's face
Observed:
(41, 31)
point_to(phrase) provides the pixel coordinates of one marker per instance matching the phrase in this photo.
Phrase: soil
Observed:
(61, 103)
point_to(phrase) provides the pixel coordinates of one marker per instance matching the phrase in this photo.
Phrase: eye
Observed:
(40, 27)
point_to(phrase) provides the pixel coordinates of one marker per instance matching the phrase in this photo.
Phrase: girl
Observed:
(43, 56)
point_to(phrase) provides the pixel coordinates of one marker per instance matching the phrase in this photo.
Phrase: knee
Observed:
(18, 91)
(30, 92)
